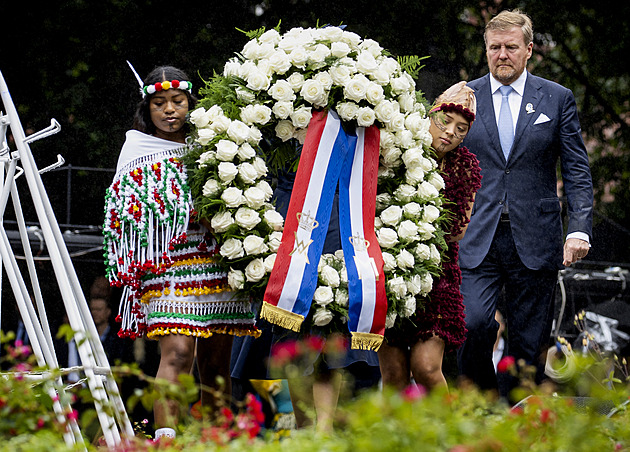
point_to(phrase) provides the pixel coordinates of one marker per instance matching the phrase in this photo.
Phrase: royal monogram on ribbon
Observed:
(330, 157)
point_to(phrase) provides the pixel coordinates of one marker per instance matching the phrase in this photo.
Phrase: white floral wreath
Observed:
(269, 91)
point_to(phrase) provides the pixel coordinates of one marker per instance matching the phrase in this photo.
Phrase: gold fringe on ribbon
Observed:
(281, 317)
(366, 341)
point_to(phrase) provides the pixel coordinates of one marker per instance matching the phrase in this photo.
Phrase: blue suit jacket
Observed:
(528, 179)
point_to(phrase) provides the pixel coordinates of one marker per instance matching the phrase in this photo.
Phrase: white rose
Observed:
(246, 151)
(238, 132)
(210, 188)
(247, 173)
(270, 262)
(407, 103)
(232, 196)
(374, 94)
(339, 49)
(347, 110)
(366, 62)
(397, 123)
(273, 219)
(275, 238)
(399, 84)
(437, 181)
(427, 164)
(279, 62)
(299, 57)
(435, 254)
(430, 213)
(342, 298)
(282, 110)
(296, 80)
(414, 284)
(221, 221)
(385, 111)
(257, 80)
(427, 283)
(282, 91)
(351, 38)
(206, 157)
(332, 34)
(266, 188)
(199, 117)
(256, 114)
(236, 279)
(387, 237)
(323, 295)
(205, 136)
(271, 36)
(427, 191)
(330, 276)
(254, 245)
(340, 74)
(389, 262)
(356, 88)
(387, 139)
(397, 286)
(413, 176)
(413, 158)
(383, 200)
(318, 55)
(392, 215)
(405, 193)
(404, 139)
(423, 252)
(325, 79)
(408, 231)
(385, 172)
(390, 319)
(412, 210)
(378, 223)
(410, 306)
(322, 317)
(220, 124)
(254, 197)
(365, 117)
(255, 135)
(232, 68)
(260, 167)
(300, 135)
(301, 117)
(284, 130)
(227, 171)
(255, 270)
(226, 150)
(405, 259)
(245, 95)
(246, 218)
(391, 157)
(232, 249)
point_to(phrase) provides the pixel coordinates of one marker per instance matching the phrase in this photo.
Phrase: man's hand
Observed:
(574, 250)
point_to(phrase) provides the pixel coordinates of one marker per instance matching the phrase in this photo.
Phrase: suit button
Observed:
(507, 171)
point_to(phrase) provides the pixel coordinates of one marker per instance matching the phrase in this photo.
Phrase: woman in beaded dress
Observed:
(163, 259)
(415, 346)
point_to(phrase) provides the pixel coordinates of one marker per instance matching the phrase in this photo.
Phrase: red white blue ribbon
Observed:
(331, 156)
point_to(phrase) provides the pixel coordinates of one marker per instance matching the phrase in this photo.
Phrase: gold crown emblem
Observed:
(306, 221)
(359, 243)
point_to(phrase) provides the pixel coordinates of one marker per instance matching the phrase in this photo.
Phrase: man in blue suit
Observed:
(514, 242)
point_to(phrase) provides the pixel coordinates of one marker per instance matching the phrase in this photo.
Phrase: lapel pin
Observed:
(529, 108)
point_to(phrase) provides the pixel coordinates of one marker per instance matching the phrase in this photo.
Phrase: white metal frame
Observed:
(107, 401)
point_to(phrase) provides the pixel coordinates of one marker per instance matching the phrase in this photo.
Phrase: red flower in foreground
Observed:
(413, 392)
(506, 364)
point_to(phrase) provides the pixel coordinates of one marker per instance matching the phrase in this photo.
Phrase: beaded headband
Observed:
(160, 86)
(458, 98)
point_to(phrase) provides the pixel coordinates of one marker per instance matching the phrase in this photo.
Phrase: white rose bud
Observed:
(437, 181)
(412, 210)
(205, 136)
(246, 152)
(247, 173)
(270, 262)
(427, 283)
(410, 306)
(282, 110)
(342, 298)
(199, 117)
(430, 213)
(389, 262)
(275, 238)
(390, 319)
(427, 191)
(255, 270)
(301, 117)
(408, 231)
(347, 110)
(205, 158)
(405, 259)
(365, 117)
(339, 49)
(405, 193)
(423, 252)
(414, 284)
(435, 254)
(414, 176)
(285, 129)
(296, 80)
(238, 131)
(397, 286)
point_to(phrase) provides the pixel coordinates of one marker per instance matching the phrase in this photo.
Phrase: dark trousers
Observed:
(529, 296)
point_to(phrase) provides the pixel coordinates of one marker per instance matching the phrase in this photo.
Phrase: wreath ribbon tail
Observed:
(366, 341)
(281, 317)
(362, 253)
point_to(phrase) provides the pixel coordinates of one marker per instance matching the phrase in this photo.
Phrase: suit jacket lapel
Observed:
(531, 98)
(485, 112)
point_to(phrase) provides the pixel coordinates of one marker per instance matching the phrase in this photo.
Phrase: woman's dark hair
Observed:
(142, 118)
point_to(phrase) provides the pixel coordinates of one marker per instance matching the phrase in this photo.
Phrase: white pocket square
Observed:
(542, 119)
